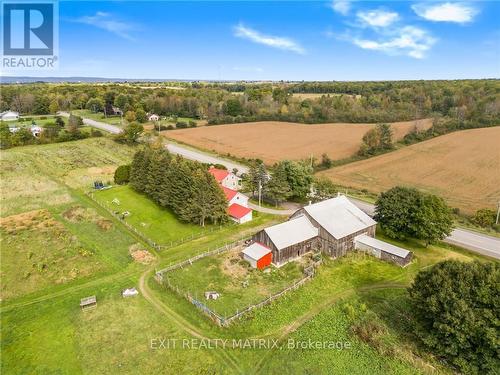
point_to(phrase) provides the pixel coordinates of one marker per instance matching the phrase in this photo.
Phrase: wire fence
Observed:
(219, 319)
(158, 246)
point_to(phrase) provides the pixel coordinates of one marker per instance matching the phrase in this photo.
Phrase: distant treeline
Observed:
(475, 102)
(182, 185)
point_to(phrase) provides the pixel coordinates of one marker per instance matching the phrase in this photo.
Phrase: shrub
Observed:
(484, 217)
(122, 174)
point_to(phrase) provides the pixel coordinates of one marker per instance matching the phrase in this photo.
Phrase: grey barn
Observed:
(334, 227)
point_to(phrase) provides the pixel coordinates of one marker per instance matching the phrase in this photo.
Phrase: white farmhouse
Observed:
(225, 178)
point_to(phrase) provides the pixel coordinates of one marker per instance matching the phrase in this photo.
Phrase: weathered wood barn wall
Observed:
(329, 244)
(288, 253)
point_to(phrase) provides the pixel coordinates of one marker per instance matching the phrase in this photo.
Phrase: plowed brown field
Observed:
(273, 141)
(462, 167)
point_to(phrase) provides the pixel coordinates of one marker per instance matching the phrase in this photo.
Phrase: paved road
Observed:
(97, 124)
(480, 243)
(205, 158)
(285, 212)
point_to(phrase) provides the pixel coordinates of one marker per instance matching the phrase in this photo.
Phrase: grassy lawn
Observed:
(157, 223)
(37, 119)
(238, 284)
(56, 337)
(113, 120)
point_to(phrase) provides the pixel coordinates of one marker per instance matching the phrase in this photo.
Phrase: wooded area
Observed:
(184, 186)
(466, 103)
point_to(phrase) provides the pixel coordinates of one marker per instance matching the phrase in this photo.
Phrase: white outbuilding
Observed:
(9, 116)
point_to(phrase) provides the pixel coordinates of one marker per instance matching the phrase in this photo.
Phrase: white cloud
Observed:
(107, 22)
(283, 43)
(377, 17)
(341, 6)
(408, 40)
(446, 12)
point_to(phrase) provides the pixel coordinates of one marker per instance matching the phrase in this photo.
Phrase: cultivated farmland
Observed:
(272, 141)
(462, 167)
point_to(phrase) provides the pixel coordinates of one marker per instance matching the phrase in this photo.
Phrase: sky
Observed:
(313, 40)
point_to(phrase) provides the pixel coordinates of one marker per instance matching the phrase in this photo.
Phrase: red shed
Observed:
(258, 255)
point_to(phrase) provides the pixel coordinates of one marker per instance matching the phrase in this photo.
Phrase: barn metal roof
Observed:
(256, 251)
(383, 246)
(291, 232)
(339, 217)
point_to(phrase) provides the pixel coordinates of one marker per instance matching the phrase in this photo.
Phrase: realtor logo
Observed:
(29, 34)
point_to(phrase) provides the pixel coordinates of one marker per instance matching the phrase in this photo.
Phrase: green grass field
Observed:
(239, 285)
(113, 120)
(157, 223)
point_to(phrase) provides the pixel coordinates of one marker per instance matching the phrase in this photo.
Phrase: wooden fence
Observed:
(111, 210)
(213, 315)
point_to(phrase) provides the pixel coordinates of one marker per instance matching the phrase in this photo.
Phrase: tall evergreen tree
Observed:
(278, 188)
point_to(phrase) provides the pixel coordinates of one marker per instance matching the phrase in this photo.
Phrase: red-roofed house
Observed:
(237, 202)
(234, 196)
(239, 213)
(225, 178)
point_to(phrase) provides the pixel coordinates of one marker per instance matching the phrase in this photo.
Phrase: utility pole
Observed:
(260, 191)
(498, 212)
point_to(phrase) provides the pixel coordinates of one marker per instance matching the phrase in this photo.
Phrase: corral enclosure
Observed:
(273, 141)
(462, 167)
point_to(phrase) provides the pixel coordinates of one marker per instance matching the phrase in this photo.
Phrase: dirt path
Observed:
(180, 322)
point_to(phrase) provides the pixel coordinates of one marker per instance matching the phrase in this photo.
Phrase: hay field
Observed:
(33, 177)
(462, 167)
(273, 141)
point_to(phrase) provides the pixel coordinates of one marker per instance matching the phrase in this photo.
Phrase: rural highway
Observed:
(477, 242)
(97, 124)
(204, 158)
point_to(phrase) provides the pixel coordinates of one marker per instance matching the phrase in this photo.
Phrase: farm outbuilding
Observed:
(258, 255)
(334, 227)
(288, 240)
(383, 250)
(239, 213)
(338, 222)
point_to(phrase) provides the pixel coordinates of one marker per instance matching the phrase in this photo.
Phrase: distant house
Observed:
(153, 117)
(258, 255)
(225, 178)
(115, 111)
(9, 116)
(335, 227)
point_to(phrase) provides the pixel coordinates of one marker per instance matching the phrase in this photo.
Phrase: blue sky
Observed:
(315, 40)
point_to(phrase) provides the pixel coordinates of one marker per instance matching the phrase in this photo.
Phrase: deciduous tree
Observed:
(455, 306)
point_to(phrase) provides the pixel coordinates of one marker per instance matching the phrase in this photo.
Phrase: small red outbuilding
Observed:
(258, 255)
